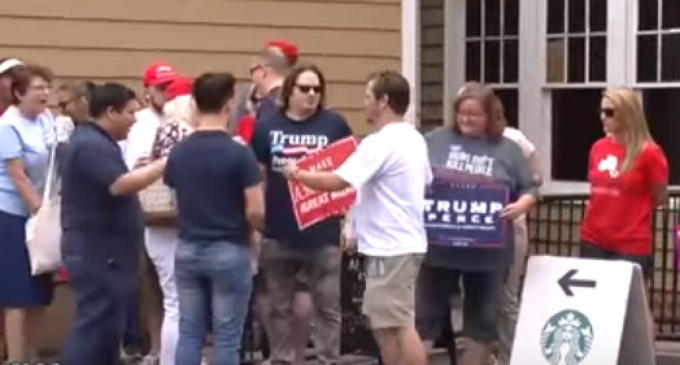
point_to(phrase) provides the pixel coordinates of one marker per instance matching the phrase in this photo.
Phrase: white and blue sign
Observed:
(465, 214)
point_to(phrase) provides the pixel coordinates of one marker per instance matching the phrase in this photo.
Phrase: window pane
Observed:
(671, 14)
(555, 60)
(646, 58)
(473, 61)
(556, 16)
(648, 14)
(598, 15)
(575, 127)
(510, 100)
(670, 57)
(492, 62)
(577, 16)
(510, 61)
(492, 17)
(473, 18)
(662, 107)
(511, 17)
(576, 71)
(598, 58)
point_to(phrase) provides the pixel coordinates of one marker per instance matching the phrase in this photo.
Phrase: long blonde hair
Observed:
(632, 121)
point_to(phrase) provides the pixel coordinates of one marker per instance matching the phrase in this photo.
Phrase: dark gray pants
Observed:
(286, 270)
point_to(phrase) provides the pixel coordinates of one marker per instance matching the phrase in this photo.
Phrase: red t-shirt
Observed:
(245, 128)
(618, 213)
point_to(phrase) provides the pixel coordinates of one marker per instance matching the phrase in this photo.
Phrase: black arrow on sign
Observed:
(567, 282)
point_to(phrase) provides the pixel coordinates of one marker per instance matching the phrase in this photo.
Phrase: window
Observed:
(492, 41)
(662, 109)
(492, 49)
(576, 126)
(658, 41)
(576, 44)
(576, 71)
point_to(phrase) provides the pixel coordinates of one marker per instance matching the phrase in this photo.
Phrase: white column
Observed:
(454, 54)
(534, 108)
(410, 55)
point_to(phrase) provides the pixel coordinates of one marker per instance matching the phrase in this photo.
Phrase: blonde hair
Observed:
(181, 109)
(631, 119)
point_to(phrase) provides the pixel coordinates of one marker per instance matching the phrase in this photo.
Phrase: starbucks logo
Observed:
(567, 338)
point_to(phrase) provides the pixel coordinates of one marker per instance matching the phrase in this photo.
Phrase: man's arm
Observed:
(104, 167)
(365, 163)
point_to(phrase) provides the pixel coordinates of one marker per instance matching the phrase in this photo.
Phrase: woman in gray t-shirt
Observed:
(481, 184)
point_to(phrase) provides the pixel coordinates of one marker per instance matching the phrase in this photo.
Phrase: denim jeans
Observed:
(214, 282)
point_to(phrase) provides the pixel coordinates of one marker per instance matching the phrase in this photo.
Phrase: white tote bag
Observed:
(43, 230)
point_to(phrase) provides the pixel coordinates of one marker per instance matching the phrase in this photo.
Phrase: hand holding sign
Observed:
(311, 206)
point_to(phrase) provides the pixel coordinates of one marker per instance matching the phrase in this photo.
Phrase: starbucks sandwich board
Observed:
(582, 312)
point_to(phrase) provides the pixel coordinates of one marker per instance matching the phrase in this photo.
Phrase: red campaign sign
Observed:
(312, 206)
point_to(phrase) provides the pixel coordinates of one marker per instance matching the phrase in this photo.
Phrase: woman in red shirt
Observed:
(628, 175)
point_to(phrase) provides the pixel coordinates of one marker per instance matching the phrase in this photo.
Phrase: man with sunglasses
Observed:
(156, 79)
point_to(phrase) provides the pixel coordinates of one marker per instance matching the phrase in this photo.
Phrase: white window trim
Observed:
(410, 55)
(619, 48)
(454, 59)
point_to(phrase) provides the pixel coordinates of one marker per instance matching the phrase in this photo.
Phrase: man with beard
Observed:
(156, 79)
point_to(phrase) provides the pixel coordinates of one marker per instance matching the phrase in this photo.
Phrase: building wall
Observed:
(431, 62)
(112, 40)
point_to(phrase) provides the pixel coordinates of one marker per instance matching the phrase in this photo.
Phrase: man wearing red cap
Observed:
(157, 77)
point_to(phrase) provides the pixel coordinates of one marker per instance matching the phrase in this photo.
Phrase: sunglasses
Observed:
(607, 112)
(308, 88)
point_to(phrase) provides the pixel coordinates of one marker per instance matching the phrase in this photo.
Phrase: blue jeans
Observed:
(214, 281)
(103, 292)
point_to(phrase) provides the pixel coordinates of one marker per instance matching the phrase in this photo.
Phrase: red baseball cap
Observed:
(178, 87)
(287, 48)
(158, 73)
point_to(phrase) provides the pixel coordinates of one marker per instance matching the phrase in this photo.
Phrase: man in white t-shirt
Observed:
(390, 171)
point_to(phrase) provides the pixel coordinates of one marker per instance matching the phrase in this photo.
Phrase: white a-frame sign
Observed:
(583, 312)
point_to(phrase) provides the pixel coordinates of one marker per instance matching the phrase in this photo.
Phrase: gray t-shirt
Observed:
(483, 161)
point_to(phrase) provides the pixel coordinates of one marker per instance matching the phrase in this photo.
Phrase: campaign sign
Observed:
(465, 214)
(312, 206)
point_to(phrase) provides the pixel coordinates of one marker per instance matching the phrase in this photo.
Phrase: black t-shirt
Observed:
(210, 173)
(277, 140)
(97, 224)
(268, 105)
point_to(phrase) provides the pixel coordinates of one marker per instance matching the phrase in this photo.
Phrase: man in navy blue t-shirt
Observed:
(292, 257)
(220, 205)
(103, 228)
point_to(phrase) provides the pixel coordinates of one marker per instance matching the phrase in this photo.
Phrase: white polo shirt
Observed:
(390, 171)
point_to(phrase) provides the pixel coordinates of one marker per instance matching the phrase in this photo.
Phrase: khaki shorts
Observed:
(389, 298)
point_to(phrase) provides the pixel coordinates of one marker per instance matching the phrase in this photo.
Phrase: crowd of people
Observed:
(233, 243)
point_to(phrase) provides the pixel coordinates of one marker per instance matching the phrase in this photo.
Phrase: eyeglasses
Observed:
(254, 69)
(308, 88)
(607, 112)
(63, 104)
